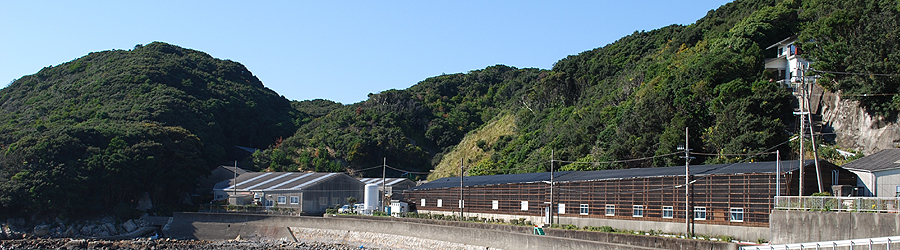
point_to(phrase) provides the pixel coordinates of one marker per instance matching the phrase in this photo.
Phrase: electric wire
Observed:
(852, 73)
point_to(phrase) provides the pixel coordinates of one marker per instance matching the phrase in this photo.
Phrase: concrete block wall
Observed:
(228, 226)
(812, 226)
(676, 227)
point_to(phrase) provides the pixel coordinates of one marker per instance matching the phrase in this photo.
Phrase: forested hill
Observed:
(85, 136)
(627, 100)
(96, 133)
(631, 99)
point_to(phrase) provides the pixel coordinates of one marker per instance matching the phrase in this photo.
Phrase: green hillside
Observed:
(85, 136)
(91, 135)
(630, 99)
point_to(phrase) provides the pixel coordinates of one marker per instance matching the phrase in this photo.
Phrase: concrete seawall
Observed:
(207, 226)
(813, 226)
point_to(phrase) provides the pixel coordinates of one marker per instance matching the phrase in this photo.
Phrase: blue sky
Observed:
(336, 50)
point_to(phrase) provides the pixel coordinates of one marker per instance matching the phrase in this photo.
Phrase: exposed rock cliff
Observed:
(855, 128)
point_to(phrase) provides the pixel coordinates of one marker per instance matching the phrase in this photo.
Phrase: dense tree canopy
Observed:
(855, 45)
(84, 136)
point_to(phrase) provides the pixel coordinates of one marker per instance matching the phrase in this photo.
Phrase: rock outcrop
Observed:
(854, 127)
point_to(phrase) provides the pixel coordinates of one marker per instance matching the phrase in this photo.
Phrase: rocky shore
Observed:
(104, 228)
(148, 244)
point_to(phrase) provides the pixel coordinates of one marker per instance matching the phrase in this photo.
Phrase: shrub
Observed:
(726, 238)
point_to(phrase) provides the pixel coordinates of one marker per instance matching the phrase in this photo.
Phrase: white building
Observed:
(788, 65)
(879, 173)
(394, 186)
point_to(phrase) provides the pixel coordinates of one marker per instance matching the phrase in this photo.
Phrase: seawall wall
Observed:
(207, 226)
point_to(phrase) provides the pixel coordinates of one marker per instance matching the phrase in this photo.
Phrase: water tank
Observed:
(371, 197)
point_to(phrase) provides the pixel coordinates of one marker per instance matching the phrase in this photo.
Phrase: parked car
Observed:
(345, 209)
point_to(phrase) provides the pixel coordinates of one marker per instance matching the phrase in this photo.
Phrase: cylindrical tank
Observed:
(371, 197)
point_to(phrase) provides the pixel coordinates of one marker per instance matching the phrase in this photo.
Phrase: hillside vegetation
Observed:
(630, 99)
(96, 133)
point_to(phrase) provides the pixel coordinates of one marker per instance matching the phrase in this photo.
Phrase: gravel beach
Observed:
(145, 244)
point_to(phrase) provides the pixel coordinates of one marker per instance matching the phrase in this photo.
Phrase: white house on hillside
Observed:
(788, 64)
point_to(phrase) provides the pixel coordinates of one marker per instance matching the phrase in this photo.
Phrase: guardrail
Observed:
(838, 204)
(886, 242)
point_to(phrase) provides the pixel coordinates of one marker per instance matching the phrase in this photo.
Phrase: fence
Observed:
(872, 243)
(253, 209)
(839, 204)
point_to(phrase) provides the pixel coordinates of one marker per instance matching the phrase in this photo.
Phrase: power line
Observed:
(852, 73)
(406, 171)
(618, 161)
(711, 154)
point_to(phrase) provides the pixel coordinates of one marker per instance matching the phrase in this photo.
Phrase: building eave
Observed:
(782, 42)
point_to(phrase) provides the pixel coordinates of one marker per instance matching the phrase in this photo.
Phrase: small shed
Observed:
(305, 192)
(879, 173)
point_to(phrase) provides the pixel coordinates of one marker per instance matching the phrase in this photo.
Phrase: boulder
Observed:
(129, 226)
(41, 230)
(70, 232)
(110, 228)
(85, 230)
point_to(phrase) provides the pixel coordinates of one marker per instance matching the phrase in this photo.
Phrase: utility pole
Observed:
(550, 210)
(687, 185)
(777, 173)
(802, 128)
(812, 132)
(461, 189)
(383, 188)
(234, 191)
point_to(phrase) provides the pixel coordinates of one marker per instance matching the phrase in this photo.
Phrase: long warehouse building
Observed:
(732, 198)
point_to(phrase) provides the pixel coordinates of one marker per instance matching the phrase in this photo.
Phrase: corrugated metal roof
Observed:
(301, 185)
(234, 169)
(387, 181)
(289, 181)
(484, 180)
(882, 160)
(573, 176)
(252, 181)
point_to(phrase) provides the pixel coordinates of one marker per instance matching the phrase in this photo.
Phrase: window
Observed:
(295, 199)
(700, 213)
(562, 209)
(737, 214)
(323, 201)
(270, 203)
(583, 209)
(524, 205)
(637, 211)
(282, 200)
(495, 205)
(440, 202)
(335, 200)
(610, 210)
(422, 203)
(461, 203)
(668, 212)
